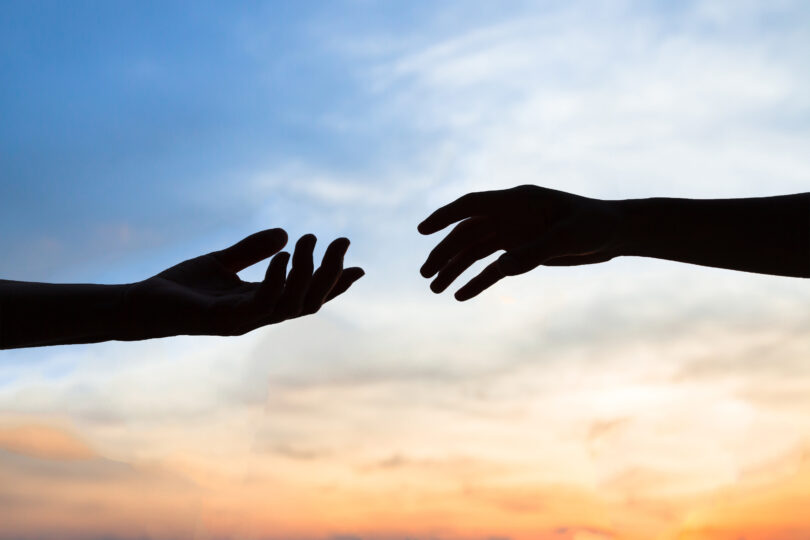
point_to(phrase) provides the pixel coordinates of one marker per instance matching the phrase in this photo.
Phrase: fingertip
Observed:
(426, 271)
(351, 275)
(461, 295)
(342, 243)
(305, 243)
(469, 290)
(280, 235)
(274, 238)
(429, 227)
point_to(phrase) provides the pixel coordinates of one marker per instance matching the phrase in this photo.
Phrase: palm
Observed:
(206, 277)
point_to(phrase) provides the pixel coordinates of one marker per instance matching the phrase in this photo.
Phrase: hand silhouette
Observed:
(540, 226)
(534, 225)
(205, 296)
(201, 296)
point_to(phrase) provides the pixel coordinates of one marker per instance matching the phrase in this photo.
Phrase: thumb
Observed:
(555, 242)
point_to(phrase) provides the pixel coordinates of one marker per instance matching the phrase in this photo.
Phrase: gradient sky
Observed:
(633, 400)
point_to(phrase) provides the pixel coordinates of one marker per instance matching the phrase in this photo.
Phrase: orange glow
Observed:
(56, 485)
(43, 442)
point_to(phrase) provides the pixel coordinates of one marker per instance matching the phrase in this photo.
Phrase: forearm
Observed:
(769, 235)
(37, 314)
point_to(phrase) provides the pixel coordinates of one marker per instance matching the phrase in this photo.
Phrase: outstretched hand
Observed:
(534, 225)
(205, 296)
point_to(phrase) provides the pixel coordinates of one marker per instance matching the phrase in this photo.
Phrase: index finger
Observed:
(468, 205)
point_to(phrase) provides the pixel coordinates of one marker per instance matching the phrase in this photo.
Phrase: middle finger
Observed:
(298, 281)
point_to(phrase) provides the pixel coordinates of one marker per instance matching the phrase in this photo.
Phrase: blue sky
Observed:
(135, 135)
(133, 120)
(125, 111)
(134, 112)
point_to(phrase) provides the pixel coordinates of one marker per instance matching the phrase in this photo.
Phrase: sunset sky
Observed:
(633, 400)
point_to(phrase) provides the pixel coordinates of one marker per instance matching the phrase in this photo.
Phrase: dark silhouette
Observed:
(201, 296)
(540, 226)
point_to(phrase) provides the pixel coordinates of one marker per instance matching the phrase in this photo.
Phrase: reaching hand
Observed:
(534, 225)
(204, 295)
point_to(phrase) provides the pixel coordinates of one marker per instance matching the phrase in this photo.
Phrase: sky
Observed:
(636, 399)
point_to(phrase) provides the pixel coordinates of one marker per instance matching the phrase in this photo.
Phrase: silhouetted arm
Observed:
(201, 296)
(539, 226)
(766, 235)
(49, 314)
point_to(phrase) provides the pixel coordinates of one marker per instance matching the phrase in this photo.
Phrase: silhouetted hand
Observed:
(201, 296)
(539, 226)
(534, 225)
(205, 296)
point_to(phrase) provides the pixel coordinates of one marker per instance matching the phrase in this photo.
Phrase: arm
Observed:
(538, 226)
(201, 296)
(767, 235)
(49, 314)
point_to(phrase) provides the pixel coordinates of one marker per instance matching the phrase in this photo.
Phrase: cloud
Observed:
(609, 100)
(44, 442)
(55, 494)
(298, 453)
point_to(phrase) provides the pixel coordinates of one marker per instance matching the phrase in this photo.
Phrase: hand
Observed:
(534, 225)
(205, 296)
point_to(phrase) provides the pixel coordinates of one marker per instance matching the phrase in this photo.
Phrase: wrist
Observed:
(105, 315)
(130, 326)
(633, 225)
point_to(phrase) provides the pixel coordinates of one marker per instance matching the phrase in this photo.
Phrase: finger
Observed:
(250, 250)
(274, 279)
(471, 204)
(469, 231)
(460, 263)
(325, 277)
(556, 242)
(290, 303)
(259, 311)
(486, 279)
(346, 280)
